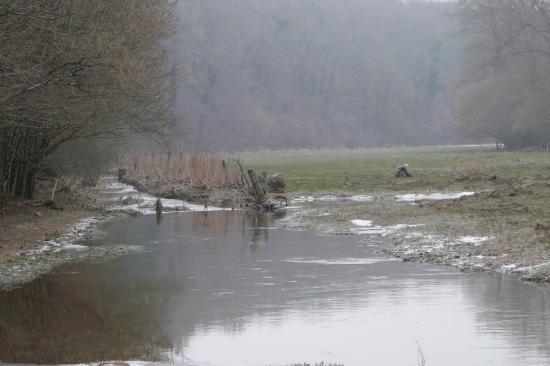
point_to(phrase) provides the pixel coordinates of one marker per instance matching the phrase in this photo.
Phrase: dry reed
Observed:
(183, 168)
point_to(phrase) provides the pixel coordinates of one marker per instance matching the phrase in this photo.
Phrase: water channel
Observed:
(238, 289)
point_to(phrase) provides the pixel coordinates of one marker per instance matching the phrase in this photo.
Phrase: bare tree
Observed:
(76, 70)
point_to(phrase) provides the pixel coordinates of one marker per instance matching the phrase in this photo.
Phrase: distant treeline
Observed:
(73, 72)
(76, 74)
(506, 74)
(304, 73)
(317, 73)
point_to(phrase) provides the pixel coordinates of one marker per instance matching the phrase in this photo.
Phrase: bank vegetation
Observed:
(74, 73)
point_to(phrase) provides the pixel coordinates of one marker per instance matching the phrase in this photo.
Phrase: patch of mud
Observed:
(30, 264)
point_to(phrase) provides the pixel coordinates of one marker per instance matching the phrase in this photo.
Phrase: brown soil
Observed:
(25, 224)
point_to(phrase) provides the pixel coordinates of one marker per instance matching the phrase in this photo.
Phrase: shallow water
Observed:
(234, 288)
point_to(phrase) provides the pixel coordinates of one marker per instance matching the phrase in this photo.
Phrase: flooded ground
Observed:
(235, 288)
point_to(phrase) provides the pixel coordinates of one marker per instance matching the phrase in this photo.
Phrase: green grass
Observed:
(368, 170)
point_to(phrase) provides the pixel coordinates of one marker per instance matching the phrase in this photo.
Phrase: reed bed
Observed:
(184, 168)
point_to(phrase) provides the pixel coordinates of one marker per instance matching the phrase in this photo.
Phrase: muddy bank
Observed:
(496, 230)
(228, 196)
(25, 224)
(30, 259)
(26, 227)
(35, 238)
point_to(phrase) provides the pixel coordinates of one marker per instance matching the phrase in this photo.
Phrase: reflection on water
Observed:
(232, 289)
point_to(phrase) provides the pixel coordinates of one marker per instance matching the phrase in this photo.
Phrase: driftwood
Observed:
(257, 188)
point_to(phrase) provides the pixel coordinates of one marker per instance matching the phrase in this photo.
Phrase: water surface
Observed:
(234, 288)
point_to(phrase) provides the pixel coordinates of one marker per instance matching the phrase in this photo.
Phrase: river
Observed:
(239, 289)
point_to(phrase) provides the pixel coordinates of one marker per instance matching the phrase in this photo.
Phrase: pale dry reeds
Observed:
(181, 167)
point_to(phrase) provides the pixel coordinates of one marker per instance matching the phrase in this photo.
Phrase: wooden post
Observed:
(158, 207)
(54, 189)
(244, 180)
(224, 168)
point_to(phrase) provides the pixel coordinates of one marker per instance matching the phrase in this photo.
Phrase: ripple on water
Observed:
(339, 261)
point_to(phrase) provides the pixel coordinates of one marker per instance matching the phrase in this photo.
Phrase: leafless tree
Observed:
(74, 70)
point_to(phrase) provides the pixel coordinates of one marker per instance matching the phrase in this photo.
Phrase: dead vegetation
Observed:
(208, 179)
(210, 170)
(475, 171)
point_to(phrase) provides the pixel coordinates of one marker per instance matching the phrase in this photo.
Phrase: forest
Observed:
(295, 74)
(80, 79)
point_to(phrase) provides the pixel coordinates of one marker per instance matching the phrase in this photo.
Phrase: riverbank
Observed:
(27, 226)
(202, 178)
(227, 196)
(501, 224)
(37, 237)
(504, 226)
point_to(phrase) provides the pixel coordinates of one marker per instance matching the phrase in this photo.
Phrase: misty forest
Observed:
(220, 76)
(237, 182)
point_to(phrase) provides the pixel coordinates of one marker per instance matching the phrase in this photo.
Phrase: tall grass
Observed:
(182, 167)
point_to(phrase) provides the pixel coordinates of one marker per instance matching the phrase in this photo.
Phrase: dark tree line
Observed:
(76, 71)
(506, 73)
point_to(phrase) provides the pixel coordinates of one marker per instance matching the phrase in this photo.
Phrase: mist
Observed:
(299, 74)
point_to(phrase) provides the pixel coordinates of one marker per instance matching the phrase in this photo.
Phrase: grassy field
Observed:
(368, 170)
